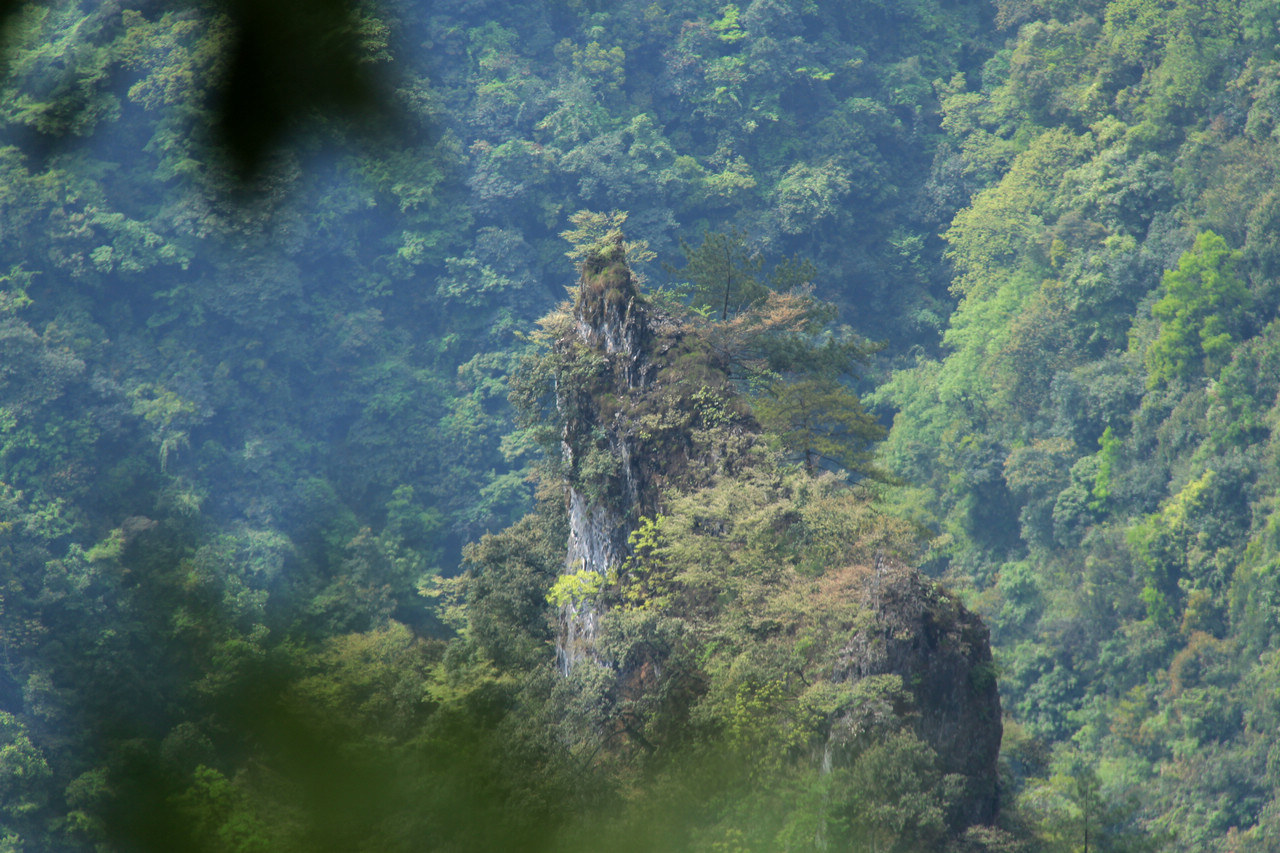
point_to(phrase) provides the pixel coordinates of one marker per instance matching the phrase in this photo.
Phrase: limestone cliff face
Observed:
(633, 425)
(611, 323)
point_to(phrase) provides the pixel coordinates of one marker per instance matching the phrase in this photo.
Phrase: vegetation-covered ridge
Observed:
(242, 428)
(714, 591)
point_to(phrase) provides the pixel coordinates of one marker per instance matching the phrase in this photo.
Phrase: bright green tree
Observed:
(1200, 312)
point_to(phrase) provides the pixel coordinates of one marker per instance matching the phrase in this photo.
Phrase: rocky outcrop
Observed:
(645, 408)
(636, 396)
(942, 652)
(610, 323)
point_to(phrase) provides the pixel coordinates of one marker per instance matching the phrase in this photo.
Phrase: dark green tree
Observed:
(1200, 313)
(721, 275)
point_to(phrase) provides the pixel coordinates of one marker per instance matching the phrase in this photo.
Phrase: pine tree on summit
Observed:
(720, 274)
(779, 338)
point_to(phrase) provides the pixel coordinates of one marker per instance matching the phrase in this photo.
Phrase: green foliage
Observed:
(822, 421)
(645, 580)
(720, 275)
(575, 589)
(1199, 313)
(24, 779)
(809, 195)
(1073, 812)
(236, 437)
(222, 814)
(1109, 451)
(594, 232)
(896, 798)
(727, 28)
(1100, 393)
(795, 362)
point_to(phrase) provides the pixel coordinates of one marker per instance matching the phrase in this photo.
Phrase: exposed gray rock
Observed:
(609, 318)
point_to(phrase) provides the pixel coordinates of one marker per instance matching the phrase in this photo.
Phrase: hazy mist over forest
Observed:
(658, 425)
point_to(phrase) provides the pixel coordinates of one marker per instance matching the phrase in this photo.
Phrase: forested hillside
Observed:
(1094, 444)
(298, 445)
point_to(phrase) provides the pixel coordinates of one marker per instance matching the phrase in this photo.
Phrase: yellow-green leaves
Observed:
(1163, 543)
(988, 237)
(591, 231)
(727, 27)
(575, 588)
(645, 581)
(1107, 455)
(1202, 306)
(168, 414)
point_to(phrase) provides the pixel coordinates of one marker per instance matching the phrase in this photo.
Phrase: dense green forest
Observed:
(478, 425)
